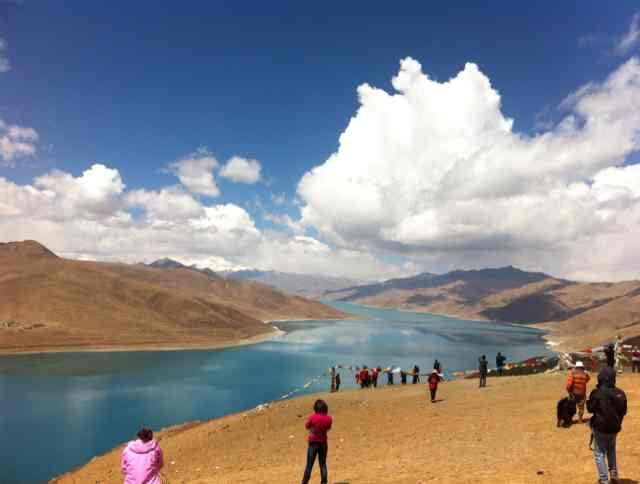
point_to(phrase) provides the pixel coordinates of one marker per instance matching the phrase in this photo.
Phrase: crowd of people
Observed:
(366, 377)
(142, 459)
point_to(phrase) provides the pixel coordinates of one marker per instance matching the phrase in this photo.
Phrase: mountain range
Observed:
(576, 313)
(48, 302)
(306, 285)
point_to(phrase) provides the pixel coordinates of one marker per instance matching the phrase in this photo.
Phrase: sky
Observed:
(352, 139)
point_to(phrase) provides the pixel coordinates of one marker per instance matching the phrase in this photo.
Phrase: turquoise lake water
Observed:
(57, 411)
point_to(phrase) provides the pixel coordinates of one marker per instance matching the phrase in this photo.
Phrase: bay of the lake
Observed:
(58, 410)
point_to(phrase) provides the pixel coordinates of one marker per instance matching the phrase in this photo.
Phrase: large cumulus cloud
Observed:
(94, 216)
(435, 169)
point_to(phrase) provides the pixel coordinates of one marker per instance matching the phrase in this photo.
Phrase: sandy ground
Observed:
(205, 345)
(504, 433)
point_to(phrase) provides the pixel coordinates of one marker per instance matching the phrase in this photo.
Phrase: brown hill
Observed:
(583, 314)
(504, 433)
(48, 303)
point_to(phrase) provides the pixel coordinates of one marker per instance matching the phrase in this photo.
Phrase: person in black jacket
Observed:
(483, 369)
(500, 360)
(416, 374)
(610, 354)
(608, 404)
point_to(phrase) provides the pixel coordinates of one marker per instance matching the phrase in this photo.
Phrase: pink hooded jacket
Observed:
(141, 462)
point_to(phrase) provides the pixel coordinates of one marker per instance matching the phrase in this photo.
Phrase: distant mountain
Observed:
(581, 312)
(351, 293)
(47, 302)
(468, 285)
(312, 286)
(166, 263)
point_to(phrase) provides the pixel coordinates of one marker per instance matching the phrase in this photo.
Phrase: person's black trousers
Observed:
(636, 367)
(483, 380)
(433, 394)
(320, 450)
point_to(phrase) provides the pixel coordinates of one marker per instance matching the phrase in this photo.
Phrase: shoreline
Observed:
(260, 338)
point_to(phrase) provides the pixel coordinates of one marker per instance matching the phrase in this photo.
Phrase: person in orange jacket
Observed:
(577, 386)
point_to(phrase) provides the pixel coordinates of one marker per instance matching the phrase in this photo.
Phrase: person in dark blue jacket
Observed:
(608, 404)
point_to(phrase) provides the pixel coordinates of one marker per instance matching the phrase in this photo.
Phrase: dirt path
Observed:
(504, 433)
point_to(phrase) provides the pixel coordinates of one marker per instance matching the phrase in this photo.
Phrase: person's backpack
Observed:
(565, 410)
(611, 411)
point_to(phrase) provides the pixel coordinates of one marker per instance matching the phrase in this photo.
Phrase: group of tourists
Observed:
(608, 406)
(142, 459)
(366, 377)
(483, 367)
(319, 422)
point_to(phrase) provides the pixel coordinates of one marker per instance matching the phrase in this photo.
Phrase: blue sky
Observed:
(138, 87)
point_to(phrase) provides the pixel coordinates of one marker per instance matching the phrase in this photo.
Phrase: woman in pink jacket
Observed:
(142, 460)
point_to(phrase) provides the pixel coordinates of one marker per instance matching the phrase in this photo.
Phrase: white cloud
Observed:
(436, 168)
(307, 255)
(15, 142)
(631, 38)
(170, 205)
(285, 220)
(94, 217)
(93, 195)
(241, 170)
(195, 172)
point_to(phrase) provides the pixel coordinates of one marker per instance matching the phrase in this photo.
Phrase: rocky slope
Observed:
(48, 303)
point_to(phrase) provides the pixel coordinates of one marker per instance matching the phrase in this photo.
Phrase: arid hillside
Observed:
(505, 433)
(578, 314)
(48, 303)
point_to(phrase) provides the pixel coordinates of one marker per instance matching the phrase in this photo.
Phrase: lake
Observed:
(59, 410)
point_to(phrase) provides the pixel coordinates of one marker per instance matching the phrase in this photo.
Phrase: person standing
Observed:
(500, 360)
(635, 360)
(338, 381)
(437, 366)
(610, 355)
(416, 374)
(318, 424)
(617, 348)
(483, 368)
(142, 459)
(332, 374)
(364, 377)
(577, 387)
(375, 373)
(433, 380)
(403, 377)
(608, 404)
(389, 376)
